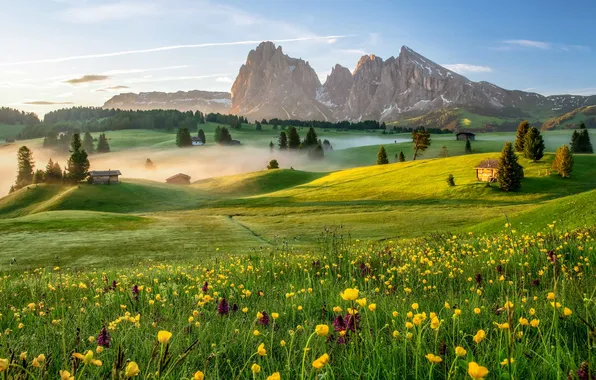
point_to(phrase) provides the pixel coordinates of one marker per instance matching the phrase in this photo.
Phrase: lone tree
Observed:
(271, 146)
(283, 141)
(510, 172)
(102, 144)
(77, 166)
(53, 172)
(522, 130)
(201, 136)
(533, 145)
(382, 156)
(421, 140)
(273, 164)
(402, 158)
(563, 162)
(25, 165)
(450, 180)
(327, 145)
(293, 139)
(88, 143)
(468, 147)
(183, 138)
(259, 127)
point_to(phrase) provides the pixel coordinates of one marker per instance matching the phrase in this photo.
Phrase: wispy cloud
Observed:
(108, 12)
(540, 45)
(136, 71)
(87, 79)
(111, 89)
(150, 79)
(529, 43)
(352, 51)
(464, 68)
(224, 80)
(45, 103)
(171, 47)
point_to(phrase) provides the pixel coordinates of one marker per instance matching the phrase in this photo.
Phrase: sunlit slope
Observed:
(261, 182)
(425, 180)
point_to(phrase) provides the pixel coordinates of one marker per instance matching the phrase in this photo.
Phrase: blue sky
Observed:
(544, 46)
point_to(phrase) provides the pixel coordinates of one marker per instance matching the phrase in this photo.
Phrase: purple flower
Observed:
(223, 307)
(264, 319)
(339, 324)
(104, 339)
(352, 322)
(135, 292)
(205, 287)
(235, 307)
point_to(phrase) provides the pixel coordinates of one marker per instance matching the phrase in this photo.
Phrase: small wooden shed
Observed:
(104, 177)
(179, 179)
(463, 136)
(486, 171)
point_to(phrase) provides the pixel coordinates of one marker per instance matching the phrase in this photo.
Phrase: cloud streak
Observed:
(45, 103)
(540, 45)
(87, 79)
(463, 68)
(529, 43)
(171, 47)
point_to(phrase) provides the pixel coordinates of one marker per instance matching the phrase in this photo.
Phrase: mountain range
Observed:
(270, 84)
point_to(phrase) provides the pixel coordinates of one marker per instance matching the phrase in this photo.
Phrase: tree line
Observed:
(61, 142)
(13, 116)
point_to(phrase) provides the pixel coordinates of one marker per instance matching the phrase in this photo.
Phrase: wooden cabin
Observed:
(464, 136)
(486, 171)
(104, 177)
(179, 179)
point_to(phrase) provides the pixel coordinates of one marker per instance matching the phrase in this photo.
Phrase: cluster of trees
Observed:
(365, 124)
(12, 116)
(183, 138)
(434, 131)
(580, 141)
(529, 142)
(77, 167)
(222, 136)
(311, 143)
(63, 141)
(233, 121)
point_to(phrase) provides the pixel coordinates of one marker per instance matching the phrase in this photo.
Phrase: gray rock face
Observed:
(205, 101)
(334, 93)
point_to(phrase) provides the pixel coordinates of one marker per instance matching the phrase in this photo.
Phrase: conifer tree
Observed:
(293, 139)
(421, 140)
(271, 146)
(522, 130)
(382, 156)
(225, 136)
(468, 147)
(510, 172)
(576, 142)
(450, 180)
(533, 145)
(25, 165)
(563, 162)
(273, 164)
(38, 176)
(311, 139)
(217, 134)
(183, 138)
(402, 158)
(584, 140)
(88, 143)
(53, 172)
(102, 144)
(201, 136)
(317, 152)
(283, 141)
(78, 163)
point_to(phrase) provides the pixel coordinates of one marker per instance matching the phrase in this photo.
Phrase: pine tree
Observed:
(53, 172)
(510, 172)
(78, 163)
(563, 162)
(402, 158)
(576, 142)
(217, 134)
(273, 164)
(468, 147)
(38, 176)
(224, 136)
(259, 127)
(533, 145)
(102, 144)
(584, 140)
(271, 146)
(293, 139)
(283, 141)
(183, 138)
(382, 156)
(327, 145)
(522, 130)
(201, 136)
(421, 140)
(88, 143)
(311, 139)
(25, 165)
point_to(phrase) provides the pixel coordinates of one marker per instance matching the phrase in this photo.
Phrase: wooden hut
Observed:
(463, 136)
(104, 177)
(179, 179)
(487, 170)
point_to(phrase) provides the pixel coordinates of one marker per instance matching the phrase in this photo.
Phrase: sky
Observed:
(60, 53)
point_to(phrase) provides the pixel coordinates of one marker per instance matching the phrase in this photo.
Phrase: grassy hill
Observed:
(9, 131)
(573, 119)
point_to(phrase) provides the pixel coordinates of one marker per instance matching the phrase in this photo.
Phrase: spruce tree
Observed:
(88, 143)
(183, 138)
(25, 165)
(402, 158)
(53, 172)
(584, 140)
(563, 162)
(202, 136)
(468, 147)
(38, 176)
(283, 141)
(510, 172)
(421, 140)
(217, 134)
(293, 139)
(576, 142)
(102, 144)
(522, 130)
(259, 127)
(78, 163)
(311, 139)
(382, 156)
(533, 145)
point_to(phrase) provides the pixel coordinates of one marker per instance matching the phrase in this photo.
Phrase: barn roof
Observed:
(466, 133)
(490, 163)
(101, 173)
(179, 175)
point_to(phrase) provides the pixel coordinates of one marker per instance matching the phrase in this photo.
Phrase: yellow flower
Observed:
(23, 355)
(274, 315)
(321, 361)
(476, 371)
(477, 310)
(503, 326)
(361, 302)
(435, 323)
(65, 375)
(132, 369)
(350, 294)
(415, 306)
(245, 310)
(551, 296)
(322, 330)
(256, 333)
(460, 351)
(99, 349)
(372, 307)
(434, 358)
(409, 325)
(261, 350)
(523, 321)
(3, 365)
(198, 376)
(259, 315)
(507, 361)
(479, 337)
(87, 358)
(282, 343)
(274, 376)
(337, 309)
(163, 336)
(534, 322)
(255, 368)
(567, 312)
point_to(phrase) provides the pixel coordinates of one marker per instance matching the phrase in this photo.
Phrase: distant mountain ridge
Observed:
(270, 84)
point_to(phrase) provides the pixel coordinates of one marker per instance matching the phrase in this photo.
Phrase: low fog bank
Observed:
(197, 162)
(356, 141)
